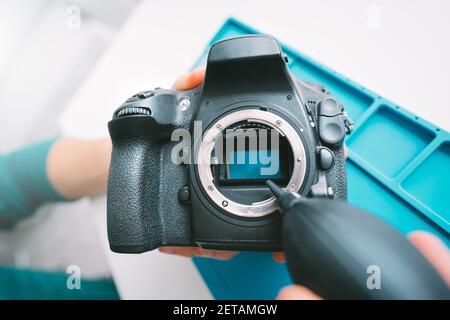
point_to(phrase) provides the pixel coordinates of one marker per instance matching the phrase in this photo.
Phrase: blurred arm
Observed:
(78, 168)
(53, 170)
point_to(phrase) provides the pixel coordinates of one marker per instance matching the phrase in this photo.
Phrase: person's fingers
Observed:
(278, 257)
(181, 251)
(296, 292)
(216, 254)
(428, 244)
(190, 81)
(187, 82)
(198, 252)
(434, 250)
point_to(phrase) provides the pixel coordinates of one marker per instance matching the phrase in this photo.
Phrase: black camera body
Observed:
(154, 200)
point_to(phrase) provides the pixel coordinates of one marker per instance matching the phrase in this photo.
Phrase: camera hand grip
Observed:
(132, 215)
(342, 252)
(337, 175)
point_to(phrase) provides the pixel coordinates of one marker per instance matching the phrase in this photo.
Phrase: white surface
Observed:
(44, 57)
(403, 55)
(42, 69)
(57, 236)
(151, 275)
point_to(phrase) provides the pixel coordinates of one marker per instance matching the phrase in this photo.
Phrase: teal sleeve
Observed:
(29, 284)
(24, 184)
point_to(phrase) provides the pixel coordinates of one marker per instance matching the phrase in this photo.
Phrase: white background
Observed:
(75, 79)
(405, 59)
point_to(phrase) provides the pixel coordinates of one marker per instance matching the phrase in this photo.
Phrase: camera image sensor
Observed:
(248, 165)
(249, 155)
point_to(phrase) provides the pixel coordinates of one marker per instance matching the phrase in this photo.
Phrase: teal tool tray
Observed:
(398, 168)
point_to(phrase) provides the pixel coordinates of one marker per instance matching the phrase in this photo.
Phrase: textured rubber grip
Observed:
(337, 176)
(133, 221)
(143, 208)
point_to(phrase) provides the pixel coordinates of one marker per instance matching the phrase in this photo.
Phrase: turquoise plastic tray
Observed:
(398, 168)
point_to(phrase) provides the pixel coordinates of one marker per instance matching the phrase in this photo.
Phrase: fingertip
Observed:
(286, 293)
(166, 249)
(433, 249)
(190, 80)
(216, 254)
(182, 83)
(197, 76)
(279, 257)
(199, 252)
(296, 292)
(224, 255)
(180, 251)
(421, 235)
(425, 241)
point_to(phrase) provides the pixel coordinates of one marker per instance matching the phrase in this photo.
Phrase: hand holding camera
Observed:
(189, 167)
(188, 82)
(208, 171)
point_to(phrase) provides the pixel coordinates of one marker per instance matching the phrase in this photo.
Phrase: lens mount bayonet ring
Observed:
(205, 149)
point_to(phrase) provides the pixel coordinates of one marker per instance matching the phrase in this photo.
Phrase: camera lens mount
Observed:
(204, 160)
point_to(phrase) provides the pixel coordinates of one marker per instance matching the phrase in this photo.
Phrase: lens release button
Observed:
(184, 195)
(326, 159)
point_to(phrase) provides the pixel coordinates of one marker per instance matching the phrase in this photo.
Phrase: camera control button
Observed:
(141, 95)
(132, 111)
(184, 195)
(132, 99)
(329, 107)
(332, 129)
(145, 94)
(326, 159)
(330, 192)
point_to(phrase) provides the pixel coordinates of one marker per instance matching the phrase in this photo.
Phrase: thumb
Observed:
(190, 81)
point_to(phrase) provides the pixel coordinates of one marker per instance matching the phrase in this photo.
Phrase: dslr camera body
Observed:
(189, 168)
